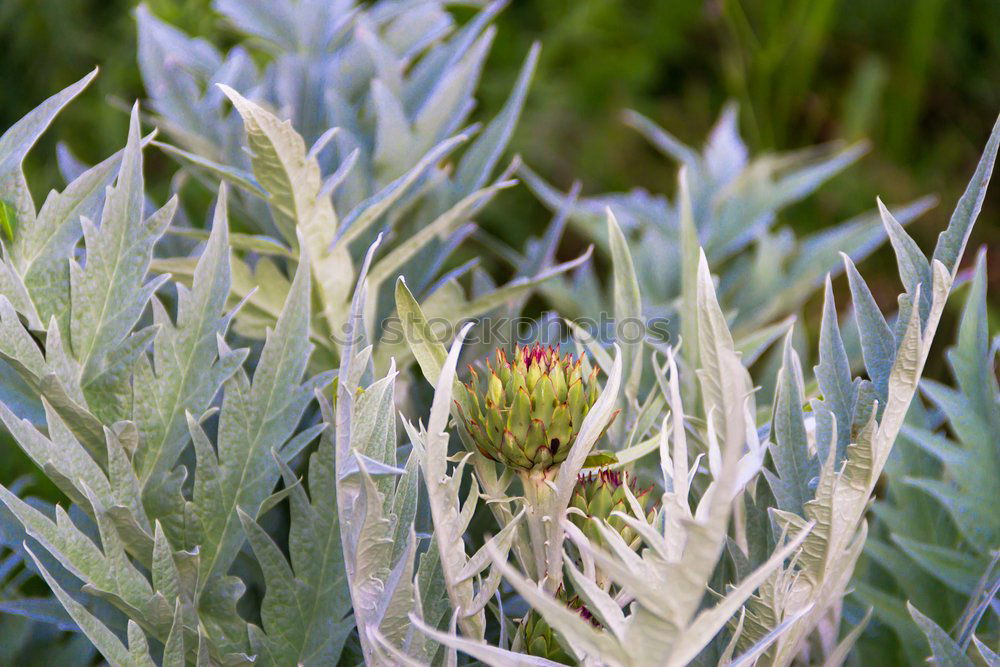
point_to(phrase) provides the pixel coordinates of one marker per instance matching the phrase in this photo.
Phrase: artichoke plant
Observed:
(530, 413)
(599, 494)
(540, 639)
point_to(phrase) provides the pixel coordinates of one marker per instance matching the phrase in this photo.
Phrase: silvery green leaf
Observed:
(833, 373)
(988, 655)
(429, 354)
(20, 137)
(226, 173)
(40, 249)
(444, 110)
(435, 605)
(768, 185)
(170, 62)
(628, 308)
(255, 418)
(842, 498)
(107, 572)
(103, 638)
(373, 435)
(840, 654)
(289, 176)
(481, 157)
(973, 415)
(708, 622)
(443, 495)
(314, 627)
(394, 261)
(293, 182)
(944, 650)
(877, 344)
(665, 142)
(370, 534)
(109, 294)
(274, 22)
(794, 464)
(689, 270)
(914, 269)
(817, 254)
(951, 243)
(394, 139)
(363, 215)
(715, 347)
(750, 656)
(973, 346)
(752, 346)
(173, 648)
(17, 345)
(955, 569)
(398, 599)
(372, 510)
(68, 461)
(15, 143)
(445, 56)
(187, 369)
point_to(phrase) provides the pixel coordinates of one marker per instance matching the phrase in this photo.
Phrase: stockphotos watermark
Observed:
(505, 331)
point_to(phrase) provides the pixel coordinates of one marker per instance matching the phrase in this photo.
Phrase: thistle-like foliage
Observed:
(666, 581)
(671, 602)
(349, 130)
(226, 508)
(938, 530)
(729, 204)
(106, 405)
(822, 571)
(376, 510)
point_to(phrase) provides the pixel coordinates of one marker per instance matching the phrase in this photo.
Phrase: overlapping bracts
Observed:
(528, 411)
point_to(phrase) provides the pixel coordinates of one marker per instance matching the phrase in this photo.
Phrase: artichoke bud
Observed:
(528, 412)
(598, 495)
(539, 638)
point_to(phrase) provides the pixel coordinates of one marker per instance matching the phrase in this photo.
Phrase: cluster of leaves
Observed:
(98, 359)
(821, 483)
(356, 116)
(936, 548)
(238, 504)
(729, 204)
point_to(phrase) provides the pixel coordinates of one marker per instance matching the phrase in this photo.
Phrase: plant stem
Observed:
(538, 495)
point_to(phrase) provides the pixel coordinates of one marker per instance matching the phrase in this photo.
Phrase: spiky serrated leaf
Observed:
(187, 369)
(108, 294)
(256, 418)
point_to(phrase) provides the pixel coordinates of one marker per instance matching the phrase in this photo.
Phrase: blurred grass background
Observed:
(918, 80)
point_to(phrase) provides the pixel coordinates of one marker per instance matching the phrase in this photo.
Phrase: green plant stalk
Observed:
(539, 495)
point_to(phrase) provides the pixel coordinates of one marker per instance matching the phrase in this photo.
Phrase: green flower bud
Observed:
(598, 495)
(528, 414)
(539, 638)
